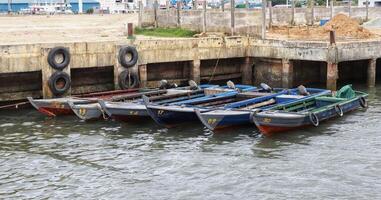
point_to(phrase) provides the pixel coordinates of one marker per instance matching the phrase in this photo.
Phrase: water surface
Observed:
(67, 158)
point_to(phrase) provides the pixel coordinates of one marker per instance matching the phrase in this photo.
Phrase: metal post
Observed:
(130, 30)
(270, 14)
(350, 8)
(332, 37)
(222, 5)
(178, 13)
(331, 9)
(232, 25)
(293, 13)
(263, 19)
(155, 6)
(204, 16)
(367, 10)
(140, 17)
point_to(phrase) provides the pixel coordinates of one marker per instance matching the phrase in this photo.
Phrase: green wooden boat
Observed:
(309, 111)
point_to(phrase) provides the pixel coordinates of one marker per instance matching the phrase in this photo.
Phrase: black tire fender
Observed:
(52, 58)
(314, 119)
(339, 110)
(122, 56)
(363, 102)
(128, 80)
(52, 82)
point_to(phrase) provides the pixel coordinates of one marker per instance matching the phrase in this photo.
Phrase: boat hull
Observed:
(87, 112)
(220, 119)
(171, 116)
(55, 107)
(270, 123)
(124, 111)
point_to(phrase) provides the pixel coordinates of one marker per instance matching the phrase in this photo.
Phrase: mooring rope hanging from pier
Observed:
(218, 59)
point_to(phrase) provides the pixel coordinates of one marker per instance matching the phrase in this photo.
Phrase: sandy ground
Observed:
(80, 28)
(63, 28)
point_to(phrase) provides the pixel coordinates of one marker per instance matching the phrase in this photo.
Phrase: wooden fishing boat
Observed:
(173, 114)
(60, 106)
(93, 111)
(136, 110)
(309, 111)
(239, 113)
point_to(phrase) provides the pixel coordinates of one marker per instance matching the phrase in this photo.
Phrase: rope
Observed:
(215, 66)
(104, 115)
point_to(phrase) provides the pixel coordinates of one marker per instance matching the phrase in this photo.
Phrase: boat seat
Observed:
(260, 104)
(330, 99)
(213, 91)
(249, 95)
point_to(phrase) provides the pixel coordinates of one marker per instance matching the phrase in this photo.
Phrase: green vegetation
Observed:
(165, 32)
(90, 11)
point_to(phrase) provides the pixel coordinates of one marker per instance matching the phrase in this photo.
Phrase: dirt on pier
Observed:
(344, 27)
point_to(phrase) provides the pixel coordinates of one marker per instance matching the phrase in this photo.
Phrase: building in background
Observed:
(117, 6)
(372, 3)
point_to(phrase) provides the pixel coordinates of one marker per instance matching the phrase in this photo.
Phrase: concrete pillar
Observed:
(350, 8)
(155, 7)
(312, 12)
(195, 71)
(371, 73)
(178, 13)
(247, 71)
(232, 17)
(367, 10)
(47, 72)
(287, 74)
(332, 75)
(263, 35)
(270, 14)
(293, 13)
(140, 16)
(167, 11)
(143, 75)
(204, 16)
(222, 5)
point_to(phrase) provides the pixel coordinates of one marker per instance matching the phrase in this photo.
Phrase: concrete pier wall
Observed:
(94, 66)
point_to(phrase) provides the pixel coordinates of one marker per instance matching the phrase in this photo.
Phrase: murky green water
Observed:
(67, 158)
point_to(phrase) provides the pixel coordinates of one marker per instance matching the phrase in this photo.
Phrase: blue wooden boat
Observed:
(134, 110)
(239, 113)
(173, 114)
(309, 111)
